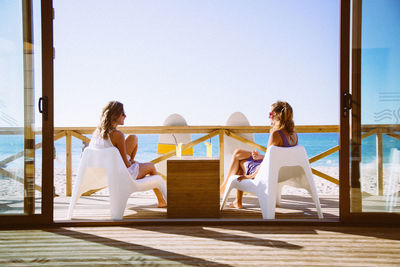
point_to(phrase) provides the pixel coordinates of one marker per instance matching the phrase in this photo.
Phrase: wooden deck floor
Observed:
(201, 245)
(144, 207)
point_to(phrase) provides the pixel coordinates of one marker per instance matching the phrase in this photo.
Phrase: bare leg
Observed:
(150, 169)
(131, 143)
(237, 203)
(160, 198)
(234, 167)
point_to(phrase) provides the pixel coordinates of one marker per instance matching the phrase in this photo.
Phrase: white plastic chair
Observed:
(281, 166)
(231, 144)
(104, 167)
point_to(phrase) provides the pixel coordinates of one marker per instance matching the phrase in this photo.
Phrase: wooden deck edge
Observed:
(202, 222)
(205, 222)
(181, 222)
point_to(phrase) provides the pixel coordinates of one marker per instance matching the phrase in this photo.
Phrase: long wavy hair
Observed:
(109, 114)
(283, 119)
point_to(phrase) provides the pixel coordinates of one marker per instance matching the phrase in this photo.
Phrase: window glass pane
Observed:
(380, 106)
(20, 87)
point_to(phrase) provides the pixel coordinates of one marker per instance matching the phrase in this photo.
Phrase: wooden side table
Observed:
(193, 188)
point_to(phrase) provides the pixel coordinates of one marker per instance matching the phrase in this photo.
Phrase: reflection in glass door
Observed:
(375, 140)
(20, 121)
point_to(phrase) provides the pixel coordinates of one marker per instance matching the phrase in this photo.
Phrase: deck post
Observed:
(69, 163)
(29, 108)
(221, 156)
(379, 162)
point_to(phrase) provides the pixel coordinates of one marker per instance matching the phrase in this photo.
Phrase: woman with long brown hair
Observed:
(107, 135)
(246, 163)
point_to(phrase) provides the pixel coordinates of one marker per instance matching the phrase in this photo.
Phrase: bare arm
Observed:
(250, 176)
(256, 155)
(118, 140)
(274, 140)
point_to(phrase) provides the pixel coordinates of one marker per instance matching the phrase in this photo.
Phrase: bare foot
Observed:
(236, 205)
(221, 191)
(162, 205)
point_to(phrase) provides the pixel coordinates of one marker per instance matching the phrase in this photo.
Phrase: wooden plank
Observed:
(379, 162)
(80, 136)
(193, 188)
(325, 176)
(68, 164)
(202, 129)
(324, 154)
(21, 153)
(11, 158)
(205, 129)
(91, 192)
(221, 156)
(394, 135)
(144, 206)
(59, 135)
(246, 141)
(317, 128)
(17, 178)
(369, 133)
(202, 245)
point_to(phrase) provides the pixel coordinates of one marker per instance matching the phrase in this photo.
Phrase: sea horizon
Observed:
(314, 143)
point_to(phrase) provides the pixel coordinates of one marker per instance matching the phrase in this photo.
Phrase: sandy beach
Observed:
(12, 188)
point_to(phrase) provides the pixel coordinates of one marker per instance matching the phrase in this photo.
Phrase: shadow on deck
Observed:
(143, 206)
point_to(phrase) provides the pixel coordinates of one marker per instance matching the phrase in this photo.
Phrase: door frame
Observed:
(348, 16)
(350, 136)
(46, 215)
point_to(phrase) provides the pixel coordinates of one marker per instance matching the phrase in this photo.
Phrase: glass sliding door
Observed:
(21, 126)
(375, 113)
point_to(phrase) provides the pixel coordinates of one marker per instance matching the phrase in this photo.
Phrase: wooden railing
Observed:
(209, 131)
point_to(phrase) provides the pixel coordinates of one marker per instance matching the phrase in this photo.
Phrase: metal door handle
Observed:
(42, 105)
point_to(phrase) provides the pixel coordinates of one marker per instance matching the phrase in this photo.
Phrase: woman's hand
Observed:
(256, 155)
(242, 177)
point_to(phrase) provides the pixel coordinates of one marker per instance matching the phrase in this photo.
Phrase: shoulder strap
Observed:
(284, 139)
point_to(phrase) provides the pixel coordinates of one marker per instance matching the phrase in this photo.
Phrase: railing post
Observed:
(221, 156)
(379, 161)
(69, 164)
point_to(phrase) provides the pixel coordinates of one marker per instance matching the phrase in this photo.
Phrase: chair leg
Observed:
(71, 209)
(228, 189)
(278, 194)
(315, 198)
(267, 206)
(267, 197)
(74, 199)
(118, 205)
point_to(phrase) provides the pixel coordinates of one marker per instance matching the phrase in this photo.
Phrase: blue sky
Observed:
(203, 59)
(380, 72)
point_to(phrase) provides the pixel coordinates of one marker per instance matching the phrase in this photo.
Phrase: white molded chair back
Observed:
(104, 167)
(231, 144)
(281, 166)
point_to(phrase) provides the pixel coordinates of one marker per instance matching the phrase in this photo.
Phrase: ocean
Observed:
(314, 143)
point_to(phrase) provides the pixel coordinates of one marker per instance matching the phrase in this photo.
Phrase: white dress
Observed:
(98, 142)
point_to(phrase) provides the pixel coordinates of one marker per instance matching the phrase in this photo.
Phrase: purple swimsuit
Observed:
(252, 164)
